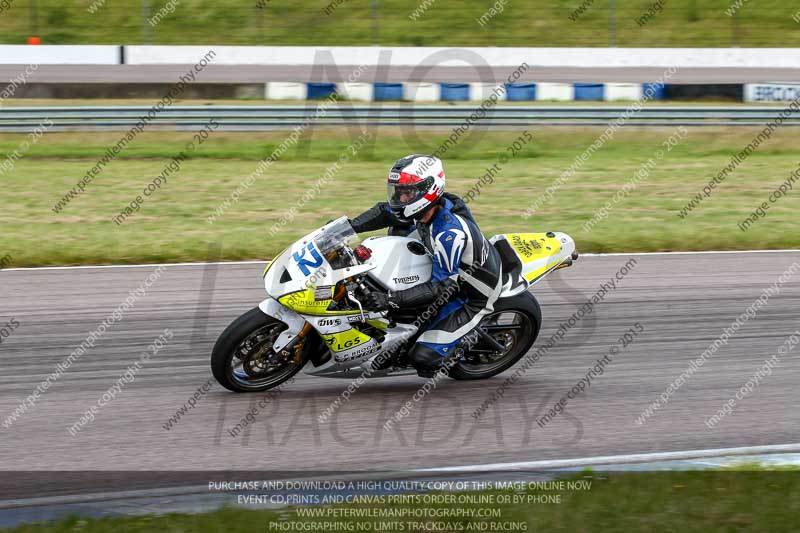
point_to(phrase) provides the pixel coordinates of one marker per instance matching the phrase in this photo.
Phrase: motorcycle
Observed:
(313, 317)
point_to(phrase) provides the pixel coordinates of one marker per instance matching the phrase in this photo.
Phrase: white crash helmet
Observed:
(416, 182)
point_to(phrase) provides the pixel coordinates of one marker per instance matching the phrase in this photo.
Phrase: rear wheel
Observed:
(243, 359)
(513, 324)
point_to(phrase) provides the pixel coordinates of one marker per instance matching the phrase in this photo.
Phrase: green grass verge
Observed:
(653, 501)
(172, 226)
(443, 23)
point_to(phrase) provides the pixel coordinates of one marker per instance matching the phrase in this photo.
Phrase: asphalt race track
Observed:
(392, 74)
(683, 302)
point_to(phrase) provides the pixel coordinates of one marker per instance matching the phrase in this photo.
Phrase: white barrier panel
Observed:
(282, 90)
(422, 92)
(771, 92)
(482, 91)
(555, 91)
(497, 57)
(58, 54)
(623, 91)
(355, 91)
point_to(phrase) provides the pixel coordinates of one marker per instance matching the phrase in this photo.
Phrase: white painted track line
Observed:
(617, 459)
(265, 261)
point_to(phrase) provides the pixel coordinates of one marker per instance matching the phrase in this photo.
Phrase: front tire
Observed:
(243, 359)
(518, 337)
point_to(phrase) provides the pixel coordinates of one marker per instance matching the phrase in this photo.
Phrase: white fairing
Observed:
(396, 267)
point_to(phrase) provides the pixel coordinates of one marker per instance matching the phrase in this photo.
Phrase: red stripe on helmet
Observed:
(431, 196)
(408, 179)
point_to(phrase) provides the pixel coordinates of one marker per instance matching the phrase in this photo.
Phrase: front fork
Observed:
(297, 327)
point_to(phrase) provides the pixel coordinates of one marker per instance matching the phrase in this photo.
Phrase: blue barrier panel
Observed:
(387, 91)
(317, 91)
(589, 91)
(657, 90)
(517, 92)
(455, 92)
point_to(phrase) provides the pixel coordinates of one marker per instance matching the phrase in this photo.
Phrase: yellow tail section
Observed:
(540, 253)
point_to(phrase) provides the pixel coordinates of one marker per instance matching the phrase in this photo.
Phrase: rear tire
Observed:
(525, 304)
(248, 328)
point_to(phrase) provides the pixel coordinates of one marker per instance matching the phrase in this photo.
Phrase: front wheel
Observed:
(243, 359)
(514, 324)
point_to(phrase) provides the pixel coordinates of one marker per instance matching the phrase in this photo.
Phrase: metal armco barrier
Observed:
(251, 118)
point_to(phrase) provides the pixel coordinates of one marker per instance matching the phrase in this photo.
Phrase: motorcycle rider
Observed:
(466, 267)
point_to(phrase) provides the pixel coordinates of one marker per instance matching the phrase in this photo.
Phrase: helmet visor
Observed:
(401, 195)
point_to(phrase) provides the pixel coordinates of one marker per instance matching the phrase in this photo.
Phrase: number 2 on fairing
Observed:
(303, 263)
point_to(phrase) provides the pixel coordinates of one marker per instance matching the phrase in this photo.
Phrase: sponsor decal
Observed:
(526, 247)
(323, 293)
(406, 279)
(307, 263)
(329, 322)
(358, 353)
(771, 92)
(345, 340)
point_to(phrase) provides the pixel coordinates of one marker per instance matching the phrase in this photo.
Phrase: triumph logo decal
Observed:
(406, 279)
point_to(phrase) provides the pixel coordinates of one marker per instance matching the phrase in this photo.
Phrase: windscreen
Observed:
(334, 243)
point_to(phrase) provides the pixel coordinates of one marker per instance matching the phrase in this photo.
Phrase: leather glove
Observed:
(378, 301)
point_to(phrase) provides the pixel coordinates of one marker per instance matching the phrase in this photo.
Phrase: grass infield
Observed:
(171, 224)
(452, 23)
